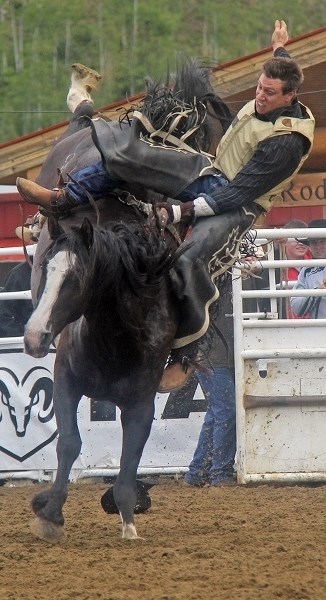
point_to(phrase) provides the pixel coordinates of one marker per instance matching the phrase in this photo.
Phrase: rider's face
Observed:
(270, 96)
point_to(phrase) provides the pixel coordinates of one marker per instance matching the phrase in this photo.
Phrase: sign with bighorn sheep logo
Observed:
(28, 428)
(27, 421)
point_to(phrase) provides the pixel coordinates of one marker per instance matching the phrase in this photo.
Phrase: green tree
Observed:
(126, 40)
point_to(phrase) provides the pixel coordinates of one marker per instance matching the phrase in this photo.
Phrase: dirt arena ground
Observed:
(241, 543)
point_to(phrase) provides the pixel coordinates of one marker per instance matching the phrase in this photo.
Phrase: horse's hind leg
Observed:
(49, 521)
(136, 425)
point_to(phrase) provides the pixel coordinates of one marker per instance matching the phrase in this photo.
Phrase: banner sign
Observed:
(308, 189)
(28, 429)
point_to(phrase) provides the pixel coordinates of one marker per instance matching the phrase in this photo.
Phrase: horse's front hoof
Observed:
(49, 532)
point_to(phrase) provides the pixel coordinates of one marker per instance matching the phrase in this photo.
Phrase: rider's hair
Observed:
(285, 69)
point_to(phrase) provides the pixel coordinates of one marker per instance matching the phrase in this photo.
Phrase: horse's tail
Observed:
(193, 80)
(181, 108)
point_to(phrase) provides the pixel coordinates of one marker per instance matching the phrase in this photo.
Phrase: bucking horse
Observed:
(102, 294)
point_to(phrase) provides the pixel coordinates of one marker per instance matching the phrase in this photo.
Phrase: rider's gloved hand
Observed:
(174, 213)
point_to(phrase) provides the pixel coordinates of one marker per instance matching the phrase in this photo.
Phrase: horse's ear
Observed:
(87, 232)
(54, 228)
(149, 84)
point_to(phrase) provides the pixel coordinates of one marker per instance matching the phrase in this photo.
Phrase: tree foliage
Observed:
(126, 40)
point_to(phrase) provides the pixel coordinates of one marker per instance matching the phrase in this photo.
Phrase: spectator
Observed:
(310, 278)
(14, 314)
(30, 231)
(295, 249)
(213, 460)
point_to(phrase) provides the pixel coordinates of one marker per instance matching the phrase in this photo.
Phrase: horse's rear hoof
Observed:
(129, 532)
(49, 532)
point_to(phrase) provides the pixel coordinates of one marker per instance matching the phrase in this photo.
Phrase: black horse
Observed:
(104, 287)
(107, 291)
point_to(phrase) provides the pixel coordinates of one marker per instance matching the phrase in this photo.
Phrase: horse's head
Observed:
(60, 301)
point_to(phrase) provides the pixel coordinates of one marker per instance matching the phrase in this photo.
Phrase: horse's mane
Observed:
(123, 266)
(182, 107)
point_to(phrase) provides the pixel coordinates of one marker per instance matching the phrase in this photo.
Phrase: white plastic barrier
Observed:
(28, 427)
(281, 406)
(280, 383)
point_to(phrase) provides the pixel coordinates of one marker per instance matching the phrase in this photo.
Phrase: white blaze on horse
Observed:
(40, 331)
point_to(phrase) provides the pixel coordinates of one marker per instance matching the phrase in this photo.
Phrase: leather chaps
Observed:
(214, 248)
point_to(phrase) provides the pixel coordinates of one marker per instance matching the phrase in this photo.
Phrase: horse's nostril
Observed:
(46, 338)
(37, 344)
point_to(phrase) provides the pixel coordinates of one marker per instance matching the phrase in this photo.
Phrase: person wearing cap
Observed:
(261, 151)
(310, 278)
(294, 249)
(29, 233)
(291, 249)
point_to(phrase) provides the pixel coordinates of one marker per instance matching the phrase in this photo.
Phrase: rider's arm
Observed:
(282, 53)
(279, 38)
(274, 161)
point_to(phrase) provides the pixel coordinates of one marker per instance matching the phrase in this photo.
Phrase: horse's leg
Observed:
(49, 521)
(136, 425)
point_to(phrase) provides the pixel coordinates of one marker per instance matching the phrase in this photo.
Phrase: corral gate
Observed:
(281, 403)
(280, 382)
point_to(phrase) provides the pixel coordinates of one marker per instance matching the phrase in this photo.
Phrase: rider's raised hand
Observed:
(280, 35)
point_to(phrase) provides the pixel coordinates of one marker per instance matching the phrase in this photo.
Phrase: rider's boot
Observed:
(83, 81)
(89, 78)
(57, 202)
(181, 366)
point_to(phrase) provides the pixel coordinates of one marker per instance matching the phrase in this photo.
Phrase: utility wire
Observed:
(66, 112)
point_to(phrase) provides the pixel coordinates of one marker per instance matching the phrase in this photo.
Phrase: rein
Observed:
(26, 255)
(147, 210)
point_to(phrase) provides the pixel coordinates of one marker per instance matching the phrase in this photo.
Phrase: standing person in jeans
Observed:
(213, 460)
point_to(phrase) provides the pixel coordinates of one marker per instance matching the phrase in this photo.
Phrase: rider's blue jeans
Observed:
(96, 180)
(214, 456)
(93, 179)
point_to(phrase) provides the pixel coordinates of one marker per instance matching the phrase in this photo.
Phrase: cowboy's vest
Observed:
(240, 142)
